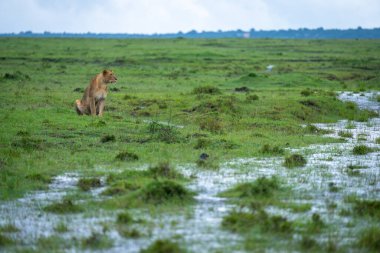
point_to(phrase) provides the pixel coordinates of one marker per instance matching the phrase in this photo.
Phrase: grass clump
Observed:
(164, 170)
(211, 90)
(295, 160)
(307, 243)
(163, 246)
(271, 150)
(85, 184)
(61, 227)
(361, 150)
(164, 133)
(128, 232)
(47, 179)
(251, 98)
(9, 228)
(65, 206)
(97, 241)
(367, 208)
(5, 241)
(262, 187)
(311, 129)
(108, 138)
(306, 92)
(159, 192)
(345, 134)
(245, 221)
(377, 141)
(126, 156)
(211, 124)
(370, 239)
(124, 218)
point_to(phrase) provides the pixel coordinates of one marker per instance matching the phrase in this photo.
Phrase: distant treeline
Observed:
(302, 33)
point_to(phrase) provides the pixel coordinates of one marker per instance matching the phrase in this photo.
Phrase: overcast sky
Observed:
(164, 16)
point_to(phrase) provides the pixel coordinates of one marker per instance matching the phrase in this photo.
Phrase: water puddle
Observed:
(199, 227)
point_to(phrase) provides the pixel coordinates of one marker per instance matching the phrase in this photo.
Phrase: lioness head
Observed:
(109, 76)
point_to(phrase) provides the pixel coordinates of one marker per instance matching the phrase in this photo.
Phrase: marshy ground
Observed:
(201, 149)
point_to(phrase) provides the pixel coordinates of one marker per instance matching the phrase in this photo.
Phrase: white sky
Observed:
(164, 16)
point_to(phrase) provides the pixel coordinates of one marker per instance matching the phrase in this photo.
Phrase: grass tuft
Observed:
(164, 170)
(211, 90)
(97, 241)
(124, 218)
(163, 246)
(161, 191)
(65, 206)
(295, 160)
(370, 239)
(126, 156)
(361, 150)
(86, 184)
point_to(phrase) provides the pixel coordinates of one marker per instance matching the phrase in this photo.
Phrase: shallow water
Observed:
(199, 227)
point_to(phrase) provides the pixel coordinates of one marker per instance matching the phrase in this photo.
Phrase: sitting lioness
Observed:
(95, 94)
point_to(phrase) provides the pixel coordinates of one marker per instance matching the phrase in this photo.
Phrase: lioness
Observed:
(95, 94)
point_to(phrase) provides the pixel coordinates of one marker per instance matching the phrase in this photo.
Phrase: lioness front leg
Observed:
(92, 106)
(100, 106)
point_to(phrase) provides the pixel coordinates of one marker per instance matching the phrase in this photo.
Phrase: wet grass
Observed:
(63, 207)
(369, 239)
(362, 150)
(294, 160)
(163, 246)
(97, 241)
(86, 184)
(220, 102)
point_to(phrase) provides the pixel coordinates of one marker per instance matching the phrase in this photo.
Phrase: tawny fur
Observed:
(94, 96)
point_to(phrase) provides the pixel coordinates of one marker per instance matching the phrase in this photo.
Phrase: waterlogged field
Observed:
(205, 146)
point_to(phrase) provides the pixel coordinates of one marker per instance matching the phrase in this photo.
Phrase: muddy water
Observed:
(198, 227)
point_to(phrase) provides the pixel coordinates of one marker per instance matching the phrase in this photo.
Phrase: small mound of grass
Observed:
(367, 208)
(370, 239)
(61, 228)
(108, 138)
(5, 241)
(86, 184)
(65, 206)
(164, 170)
(161, 191)
(251, 98)
(243, 222)
(295, 160)
(261, 187)
(211, 124)
(39, 177)
(163, 246)
(9, 228)
(361, 150)
(311, 129)
(211, 90)
(164, 133)
(377, 141)
(124, 218)
(306, 92)
(126, 156)
(307, 243)
(128, 232)
(345, 134)
(272, 150)
(97, 241)
(114, 191)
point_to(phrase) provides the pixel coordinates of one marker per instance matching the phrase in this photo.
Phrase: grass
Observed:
(97, 241)
(294, 160)
(175, 99)
(63, 207)
(369, 239)
(86, 184)
(362, 150)
(163, 246)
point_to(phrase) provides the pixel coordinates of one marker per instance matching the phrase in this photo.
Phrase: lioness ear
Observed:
(105, 72)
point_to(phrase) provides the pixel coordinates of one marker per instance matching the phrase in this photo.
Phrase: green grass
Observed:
(174, 100)
(294, 160)
(163, 246)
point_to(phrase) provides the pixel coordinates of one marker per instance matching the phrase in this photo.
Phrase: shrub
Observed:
(295, 160)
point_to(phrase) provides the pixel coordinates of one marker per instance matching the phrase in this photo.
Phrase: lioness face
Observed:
(109, 76)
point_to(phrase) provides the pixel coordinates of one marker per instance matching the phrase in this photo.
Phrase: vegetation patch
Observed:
(159, 192)
(367, 208)
(5, 241)
(164, 133)
(124, 218)
(65, 206)
(271, 150)
(163, 246)
(262, 187)
(126, 156)
(210, 90)
(211, 124)
(127, 232)
(362, 150)
(47, 179)
(86, 184)
(311, 129)
(295, 160)
(370, 239)
(164, 170)
(108, 138)
(244, 222)
(9, 228)
(251, 97)
(345, 134)
(97, 241)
